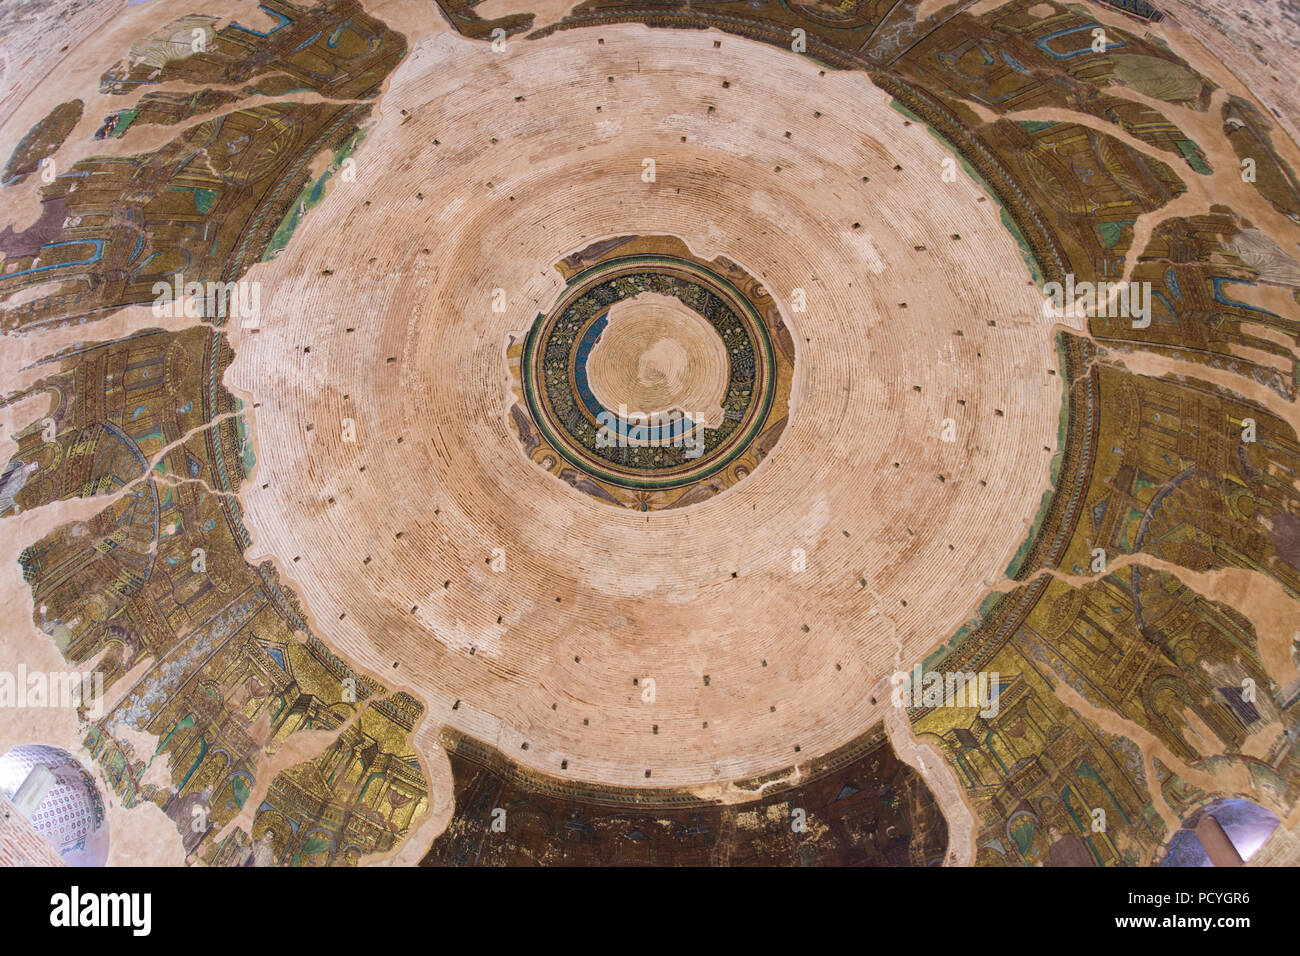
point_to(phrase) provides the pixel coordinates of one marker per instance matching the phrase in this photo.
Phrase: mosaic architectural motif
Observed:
(1138, 647)
(159, 574)
(859, 806)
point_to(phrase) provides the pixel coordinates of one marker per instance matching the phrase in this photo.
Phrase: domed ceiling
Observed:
(654, 433)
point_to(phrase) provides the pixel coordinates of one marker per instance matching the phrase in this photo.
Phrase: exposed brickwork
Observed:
(20, 845)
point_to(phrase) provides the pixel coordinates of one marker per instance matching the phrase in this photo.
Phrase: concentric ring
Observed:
(789, 594)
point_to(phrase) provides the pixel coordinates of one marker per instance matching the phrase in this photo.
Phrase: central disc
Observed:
(657, 355)
(658, 379)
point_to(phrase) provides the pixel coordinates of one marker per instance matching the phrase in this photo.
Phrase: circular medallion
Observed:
(657, 379)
